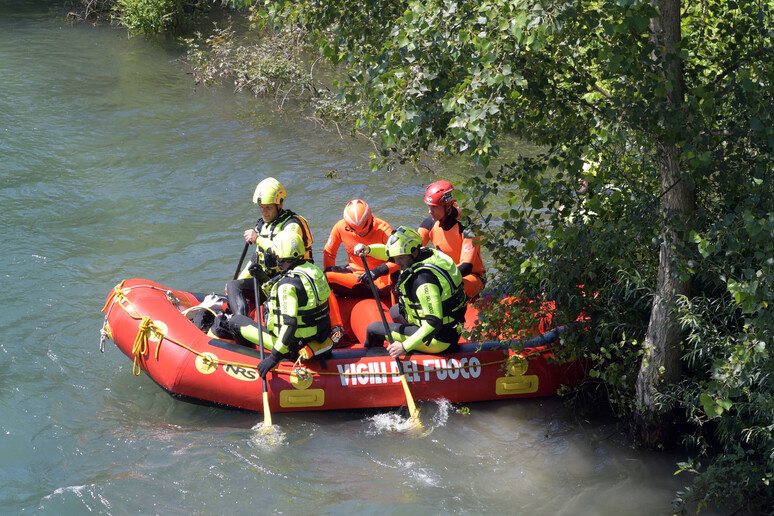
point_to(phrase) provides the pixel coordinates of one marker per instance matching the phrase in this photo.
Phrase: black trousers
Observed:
(239, 291)
(376, 334)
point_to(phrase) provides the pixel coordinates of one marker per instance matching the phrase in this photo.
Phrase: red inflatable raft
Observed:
(148, 323)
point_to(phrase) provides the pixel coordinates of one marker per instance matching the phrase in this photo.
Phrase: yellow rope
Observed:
(116, 290)
(140, 346)
(146, 326)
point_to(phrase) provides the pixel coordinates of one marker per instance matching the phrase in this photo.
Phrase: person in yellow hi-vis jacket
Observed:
(269, 196)
(297, 319)
(431, 298)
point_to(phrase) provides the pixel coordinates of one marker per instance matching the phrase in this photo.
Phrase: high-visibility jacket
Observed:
(298, 307)
(452, 297)
(285, 221)
(432, 297)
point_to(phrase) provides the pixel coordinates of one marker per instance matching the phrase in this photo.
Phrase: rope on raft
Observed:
(146, 328)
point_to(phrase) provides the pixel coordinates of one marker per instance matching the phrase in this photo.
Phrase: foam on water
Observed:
(267, 438)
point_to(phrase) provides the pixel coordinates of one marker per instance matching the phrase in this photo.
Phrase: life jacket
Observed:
(453, 298)
(313, 319)
(268, 230)
(455, 239)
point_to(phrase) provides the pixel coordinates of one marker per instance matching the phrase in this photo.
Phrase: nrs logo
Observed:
(245, 374)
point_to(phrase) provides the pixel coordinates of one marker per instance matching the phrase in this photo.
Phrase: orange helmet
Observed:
(358, 216)
(439, 193)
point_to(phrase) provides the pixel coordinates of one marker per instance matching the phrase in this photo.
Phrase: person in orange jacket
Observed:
(358, 226)
(444, 229)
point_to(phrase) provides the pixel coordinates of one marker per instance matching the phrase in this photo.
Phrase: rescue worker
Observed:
(297, 320)
(444, 229)
(358, 226)
(431, 300)
(269, 196)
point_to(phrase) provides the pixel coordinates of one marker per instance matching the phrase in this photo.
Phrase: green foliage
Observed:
(273, 66)
(591, 84)
(153, 16)
(269, 67)
(238, 4)
(149, 16)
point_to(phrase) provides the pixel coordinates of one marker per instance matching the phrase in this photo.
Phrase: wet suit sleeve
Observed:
(382, 232)
(428, 293)
(424, 230)
(288, 306)
(331, 247)
(378, 251)
(470, 252)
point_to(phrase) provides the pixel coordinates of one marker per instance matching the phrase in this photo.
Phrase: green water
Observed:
(113, 165)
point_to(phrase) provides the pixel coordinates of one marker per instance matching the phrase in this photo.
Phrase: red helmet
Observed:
(358, 216)
(439, 193)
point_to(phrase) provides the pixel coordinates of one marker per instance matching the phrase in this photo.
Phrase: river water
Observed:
(114, 165)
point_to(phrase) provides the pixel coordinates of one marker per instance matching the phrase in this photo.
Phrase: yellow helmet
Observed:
(269, 191)
(403, 241)
(288, 245)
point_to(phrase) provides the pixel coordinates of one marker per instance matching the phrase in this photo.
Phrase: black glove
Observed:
(376, 272)
(270, 260)
(257, 272)
(268, 363)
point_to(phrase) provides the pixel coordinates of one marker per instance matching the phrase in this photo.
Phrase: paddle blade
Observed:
(266, 411)
(412, 408)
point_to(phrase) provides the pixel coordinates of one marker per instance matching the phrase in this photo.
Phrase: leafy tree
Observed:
(665, 118)
(665, 111)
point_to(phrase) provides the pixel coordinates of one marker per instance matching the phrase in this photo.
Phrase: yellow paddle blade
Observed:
(412, 408)
(266, 411)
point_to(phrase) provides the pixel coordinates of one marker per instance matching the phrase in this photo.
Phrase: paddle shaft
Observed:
(242, 258)
(409, 398)
(258, 310)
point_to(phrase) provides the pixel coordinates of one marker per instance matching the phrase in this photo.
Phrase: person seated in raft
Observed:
(298, 324)
(358, 226)
(444, 229)
(431, 299)
(269, 196)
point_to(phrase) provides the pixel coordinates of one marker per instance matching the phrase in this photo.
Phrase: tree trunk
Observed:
(660, 366)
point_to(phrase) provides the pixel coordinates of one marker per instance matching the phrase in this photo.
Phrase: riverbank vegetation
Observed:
(649, 210)
(145, 16)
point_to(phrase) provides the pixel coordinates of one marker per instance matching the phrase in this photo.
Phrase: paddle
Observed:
(244, 253)
(241, 259)
(412, 408)
(258, 310)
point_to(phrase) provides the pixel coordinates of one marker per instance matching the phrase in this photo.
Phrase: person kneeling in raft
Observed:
(431, 299)
(298, 323)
